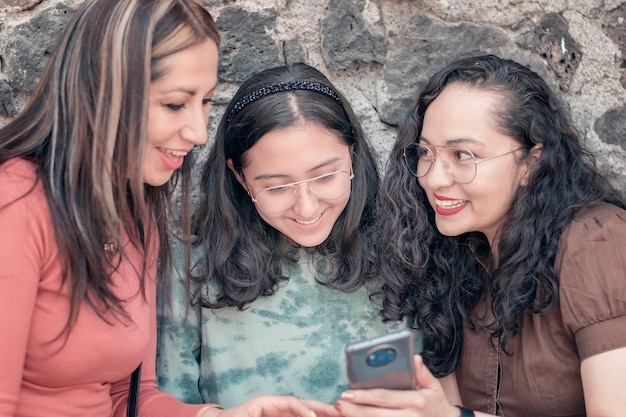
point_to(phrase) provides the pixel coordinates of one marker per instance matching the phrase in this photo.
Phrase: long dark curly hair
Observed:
(437, 280)
(242, 254)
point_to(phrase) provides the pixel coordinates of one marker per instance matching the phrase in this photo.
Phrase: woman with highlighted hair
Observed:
(85, 173)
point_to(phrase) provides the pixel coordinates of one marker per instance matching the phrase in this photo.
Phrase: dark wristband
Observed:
(465, 412)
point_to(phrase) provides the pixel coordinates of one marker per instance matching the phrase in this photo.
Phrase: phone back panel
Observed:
(382, 362)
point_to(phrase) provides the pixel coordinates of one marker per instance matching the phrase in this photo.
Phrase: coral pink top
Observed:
(87, 373)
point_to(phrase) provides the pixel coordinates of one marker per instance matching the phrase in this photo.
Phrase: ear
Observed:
(238, 175)
(533, 157)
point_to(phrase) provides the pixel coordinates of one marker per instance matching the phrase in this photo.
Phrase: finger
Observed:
(349, 409)
(296, 408)
(385, 398)
(273, 406)
(425, 379)
(321, 409)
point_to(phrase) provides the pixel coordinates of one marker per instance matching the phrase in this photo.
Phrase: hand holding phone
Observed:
(382, 362)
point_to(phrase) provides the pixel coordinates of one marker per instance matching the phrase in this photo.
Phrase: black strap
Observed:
(133, 393)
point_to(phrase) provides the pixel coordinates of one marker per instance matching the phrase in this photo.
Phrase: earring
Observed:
(110, 248)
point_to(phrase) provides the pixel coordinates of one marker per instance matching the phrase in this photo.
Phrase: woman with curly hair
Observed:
(506, 247)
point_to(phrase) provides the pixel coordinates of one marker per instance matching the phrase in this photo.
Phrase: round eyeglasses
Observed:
(331, 186)
(460, 164)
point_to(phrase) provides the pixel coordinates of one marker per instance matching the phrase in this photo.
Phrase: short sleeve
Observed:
(592, 269)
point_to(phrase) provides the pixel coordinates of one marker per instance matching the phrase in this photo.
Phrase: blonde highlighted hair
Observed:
(85, 129)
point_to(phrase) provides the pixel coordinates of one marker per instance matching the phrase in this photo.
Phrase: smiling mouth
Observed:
(307, 222)
(449, 204)
(172, 154)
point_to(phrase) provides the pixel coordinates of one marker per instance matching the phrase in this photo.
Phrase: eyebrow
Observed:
(316, 167)
(458, 141)
(186, 91)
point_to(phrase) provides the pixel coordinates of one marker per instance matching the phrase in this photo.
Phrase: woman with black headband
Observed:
(281, 276)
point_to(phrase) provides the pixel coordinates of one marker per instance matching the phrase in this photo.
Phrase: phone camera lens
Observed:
(381, 357)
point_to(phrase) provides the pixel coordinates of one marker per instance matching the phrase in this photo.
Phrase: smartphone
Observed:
(382, 362)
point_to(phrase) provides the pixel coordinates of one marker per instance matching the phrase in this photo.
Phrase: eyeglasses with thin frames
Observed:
(279, 198)
(461, 164)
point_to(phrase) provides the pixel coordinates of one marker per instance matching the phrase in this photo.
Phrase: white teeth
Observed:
(174, 153)
(450, 203)
(305, 222)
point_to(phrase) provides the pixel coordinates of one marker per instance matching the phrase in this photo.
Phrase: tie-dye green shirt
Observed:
(289, 343)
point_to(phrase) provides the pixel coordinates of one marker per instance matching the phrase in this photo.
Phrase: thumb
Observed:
(423, 376)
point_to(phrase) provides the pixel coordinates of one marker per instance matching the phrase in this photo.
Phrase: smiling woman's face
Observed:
(294, 154)
(178, 110)
(461, 116)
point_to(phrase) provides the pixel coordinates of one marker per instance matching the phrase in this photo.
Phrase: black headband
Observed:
(281, 87)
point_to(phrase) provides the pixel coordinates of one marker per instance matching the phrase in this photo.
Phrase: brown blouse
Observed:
(541, 376)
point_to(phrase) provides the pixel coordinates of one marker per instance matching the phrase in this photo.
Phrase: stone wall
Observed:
(380, 52)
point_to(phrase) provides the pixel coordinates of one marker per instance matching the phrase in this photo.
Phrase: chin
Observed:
(309, 241)
(155, 183)
(448, 231)
(156, 180)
